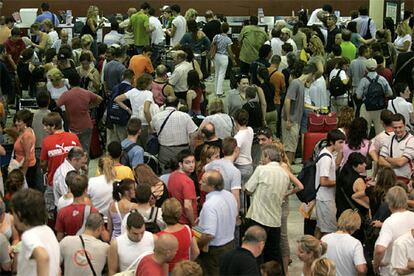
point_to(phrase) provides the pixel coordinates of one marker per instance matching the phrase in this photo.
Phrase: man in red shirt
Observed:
(181, 186)
(78, 102)
(155, 264)
(71, 219)
(14, 46)
(55, 149)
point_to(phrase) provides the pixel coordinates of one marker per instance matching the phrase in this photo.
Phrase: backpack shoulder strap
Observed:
(322, 155)
(339, 72)
(271, 74)
(130, 147)
(393, 107)
(86, 213)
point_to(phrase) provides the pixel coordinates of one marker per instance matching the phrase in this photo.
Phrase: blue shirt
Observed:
(48, 15)
(135, 155)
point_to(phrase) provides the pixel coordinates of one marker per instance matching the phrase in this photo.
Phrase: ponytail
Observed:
(106, 167)
(120, 188)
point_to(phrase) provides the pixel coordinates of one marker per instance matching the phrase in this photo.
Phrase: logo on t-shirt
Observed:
(79, 258)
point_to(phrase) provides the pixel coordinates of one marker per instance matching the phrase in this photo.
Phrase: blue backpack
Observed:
(117, 115)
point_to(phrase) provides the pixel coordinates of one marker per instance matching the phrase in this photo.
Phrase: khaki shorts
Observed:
(290, 137)
(326, 216)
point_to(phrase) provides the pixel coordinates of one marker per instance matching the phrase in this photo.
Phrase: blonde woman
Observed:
(403, 41)
(92, 25)
(56, 84)
(323, 267)
(100, 187)
(48, 27)
(44, 42)
(318, 54)
(309, 249)
(191, 14)
(90, 78)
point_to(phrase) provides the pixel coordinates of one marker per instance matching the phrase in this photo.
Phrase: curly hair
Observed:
(358, 131)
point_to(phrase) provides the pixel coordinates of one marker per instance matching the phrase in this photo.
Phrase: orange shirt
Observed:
(278, 81)
(24, 147)
(140, 64)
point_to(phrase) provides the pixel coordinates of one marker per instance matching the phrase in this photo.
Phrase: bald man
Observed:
(164, 251)
(63, 40)
(218, 221)
(210, 139)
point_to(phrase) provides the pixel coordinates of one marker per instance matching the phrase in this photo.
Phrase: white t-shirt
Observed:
(157, 35)
(379, 140)
(345, 251)
(276, 44)
(55, 93)
(400, 105)
(244, 139)
(316, 94)
(38, 236)
(100, 192)
(64, 201)
(54, 36)
(393, 227)
(399, 42)
(325, 167)
(180, 28)
(138, 99)
(403, 251)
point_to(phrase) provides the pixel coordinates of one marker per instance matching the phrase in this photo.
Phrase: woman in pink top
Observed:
(357, 141)
(24, 147)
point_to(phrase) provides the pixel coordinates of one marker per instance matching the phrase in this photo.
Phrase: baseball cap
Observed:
(371, 64)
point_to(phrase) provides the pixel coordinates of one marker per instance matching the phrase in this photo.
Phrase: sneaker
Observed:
(209, 79)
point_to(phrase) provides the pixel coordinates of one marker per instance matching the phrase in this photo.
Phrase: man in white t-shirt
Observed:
(398, 150)
(39, 253)
(345, 250)
(325, 182)
(401, 103)
(402, 257)
(400, 222)
(179, 26)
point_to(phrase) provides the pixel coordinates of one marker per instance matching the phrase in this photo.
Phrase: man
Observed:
(165, 248)
(128, 36)
(117, 116)
(157, 37)
(125, 250)
(402, 258)
(333, 30)
(370, 110)
(47, 14)
(78, 102)
(178, 26)
(398, 149)
(121, 171)
(277, 78)
(268, 185)
(134, 152)
(386, 120)
(293, 109)
(76, 161)
(210, 138)
(75, 248)
(64, 40)
(139, 26)
(178, 78)
(176, 132)
(231, 175)
(357, 71)
(400, 104)
(181, 186)
(286, 37)
(325, 182)
(265, 53)
(332, 61)
(54, 150)
(71, 219)
(348, 49)
(114, 69)
(114, 37)
(212, 26)
(251, 38)
(217, 221)
(400, 222)
(141, 63)
(315, 15)
(365, 25)
(39, 253)
(242, 260)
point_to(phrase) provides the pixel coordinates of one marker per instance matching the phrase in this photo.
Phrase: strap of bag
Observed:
(151, 217)
(317, 160)
(393, 107)
(392, 142)
(271, 74)
(339, 72)
(87, 257)
(86, 213)
(165, 121)
(130, 147)
(348, 200)
(403, 66)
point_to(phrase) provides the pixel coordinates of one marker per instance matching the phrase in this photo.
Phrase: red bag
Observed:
(310, 139)
(322, 122)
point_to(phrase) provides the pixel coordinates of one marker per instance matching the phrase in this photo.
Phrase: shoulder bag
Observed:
(153, 145)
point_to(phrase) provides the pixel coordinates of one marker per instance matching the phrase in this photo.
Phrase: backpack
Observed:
(368, 31)
(336, 86)
(307, 176)
(124, 160)
(153, 162)
(375, 96)
(151, 225)
(117, 115)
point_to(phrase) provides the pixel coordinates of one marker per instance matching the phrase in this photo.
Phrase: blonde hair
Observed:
(86, 40)
(318, 45)
(216, 106)
(310, 244)
(403, 29)
(106, 167)
(91, 14)
(187, 268)
(283, 157)
(171, 211)
(349, 221)
(47, 23)
(54, 73)
(323, 267)
(396, 198)
(190, 14)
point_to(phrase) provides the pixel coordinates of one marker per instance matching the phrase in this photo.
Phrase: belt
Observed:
(182, 145)
(219, 246)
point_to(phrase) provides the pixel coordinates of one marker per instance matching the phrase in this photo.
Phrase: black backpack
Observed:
(368, 32)
(124, 160)
(375, 96)
(336, 86)
(151, 225)
(307, 176)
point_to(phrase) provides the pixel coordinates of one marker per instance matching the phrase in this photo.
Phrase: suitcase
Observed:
(322, 122)
(309, 142)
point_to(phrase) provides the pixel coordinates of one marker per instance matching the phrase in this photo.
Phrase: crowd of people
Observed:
(192, 179)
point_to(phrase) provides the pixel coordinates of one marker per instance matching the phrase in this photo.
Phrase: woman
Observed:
(50, 59)
(123, 192)
(350, 181)
(86, 46)
(48, 27)
(356, 38)
(7, 225)
(56, 85)
(323, 267)
(269, 92)
(208, 154)
(403, 41)
(145, 175)
(190, 14)
(24, 147)
(222, 43)
(90, 78)
(317, 54)
(44, 42)
(14, 182)
(357, 141)
(345, 117)
(309, 249)
(195, 93)
(191, 59)
(401, 103)
(92, 25)
(100, 188)
(299, 37)
(187, 244)
(389, 28)
(223, 123)
(244, 137)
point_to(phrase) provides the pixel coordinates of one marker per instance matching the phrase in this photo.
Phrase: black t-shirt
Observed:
(330, 41)
(218, 143)
(239, 261)
(212, 28)
(269, 93)
(255, 114)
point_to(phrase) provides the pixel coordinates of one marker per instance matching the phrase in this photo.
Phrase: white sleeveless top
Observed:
(129, 251)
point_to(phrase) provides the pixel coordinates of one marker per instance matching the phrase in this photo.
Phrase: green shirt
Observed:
(348, 50)
(139, 22)
(251, 38)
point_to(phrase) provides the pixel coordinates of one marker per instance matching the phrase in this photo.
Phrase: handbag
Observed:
(322, 122)
(153, 145)
(87, 257)
(130, 271)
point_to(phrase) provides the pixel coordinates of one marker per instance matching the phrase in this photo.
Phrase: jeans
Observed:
(84, 138)
(221, 63)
